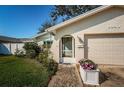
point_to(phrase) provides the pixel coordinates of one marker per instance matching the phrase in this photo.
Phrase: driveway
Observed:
(66, 76)
(111, 77)
(114, 77)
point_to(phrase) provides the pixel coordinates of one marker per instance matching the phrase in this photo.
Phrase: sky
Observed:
(22, 21)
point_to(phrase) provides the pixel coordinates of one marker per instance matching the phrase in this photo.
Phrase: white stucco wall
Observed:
(107, 21)
(10, 48)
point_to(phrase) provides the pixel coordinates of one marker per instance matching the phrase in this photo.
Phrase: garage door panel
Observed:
(106, 50)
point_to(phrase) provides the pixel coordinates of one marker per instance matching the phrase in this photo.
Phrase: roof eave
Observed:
(41, 34)
(89, 13)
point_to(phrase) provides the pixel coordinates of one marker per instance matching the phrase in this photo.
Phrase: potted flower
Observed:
(89, 72)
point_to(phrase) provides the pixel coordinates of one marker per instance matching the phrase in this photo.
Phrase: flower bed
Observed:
(87, 64)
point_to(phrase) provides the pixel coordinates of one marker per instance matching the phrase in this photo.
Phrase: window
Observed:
(47, 44)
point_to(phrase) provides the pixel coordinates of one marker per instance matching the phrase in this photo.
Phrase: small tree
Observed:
(46, 58)
(32, 49)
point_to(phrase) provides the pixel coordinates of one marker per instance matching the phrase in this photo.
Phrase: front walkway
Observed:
(66, 76)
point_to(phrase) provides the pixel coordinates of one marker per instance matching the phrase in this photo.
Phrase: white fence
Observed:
(10, 48)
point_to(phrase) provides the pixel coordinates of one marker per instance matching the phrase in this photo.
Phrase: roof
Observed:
(14, 40)
(41, 34)
(25, 39)
(82, 16)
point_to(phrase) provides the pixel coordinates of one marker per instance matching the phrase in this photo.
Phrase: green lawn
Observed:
(24, 72)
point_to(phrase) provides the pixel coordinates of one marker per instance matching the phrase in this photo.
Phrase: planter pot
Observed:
(90, 76)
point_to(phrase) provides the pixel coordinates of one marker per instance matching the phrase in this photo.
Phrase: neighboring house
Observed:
(44, 38)
(97, 35)
(9, 45)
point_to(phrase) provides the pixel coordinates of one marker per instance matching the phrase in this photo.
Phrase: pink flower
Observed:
(87, 64)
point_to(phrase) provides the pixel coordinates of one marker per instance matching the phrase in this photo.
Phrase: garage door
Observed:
(105, 49)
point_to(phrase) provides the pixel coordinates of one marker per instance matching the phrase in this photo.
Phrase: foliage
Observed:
(52, 66)
(45, 57)
(69, 11)
(22, 72)
(19, 53)
(32, 49)
(87, 64)
(45, 25)
(31, 53)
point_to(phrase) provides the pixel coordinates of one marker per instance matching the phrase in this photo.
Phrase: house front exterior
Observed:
(97, 35)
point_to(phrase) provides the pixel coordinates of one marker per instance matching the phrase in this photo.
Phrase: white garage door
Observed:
(106, 49)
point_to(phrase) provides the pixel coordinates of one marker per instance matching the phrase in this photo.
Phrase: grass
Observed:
(22, 72)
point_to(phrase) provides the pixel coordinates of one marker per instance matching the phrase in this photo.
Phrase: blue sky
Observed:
(22, 21)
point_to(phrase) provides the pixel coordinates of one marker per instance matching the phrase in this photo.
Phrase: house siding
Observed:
(107, 21)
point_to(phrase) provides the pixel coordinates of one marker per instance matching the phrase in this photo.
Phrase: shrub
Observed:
(32, 48)
(52, 66)
(45, 57)
(19, 53)
(31, 53)
(87, 64)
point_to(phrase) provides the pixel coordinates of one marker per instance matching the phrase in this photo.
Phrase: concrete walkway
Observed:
(66, 76)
